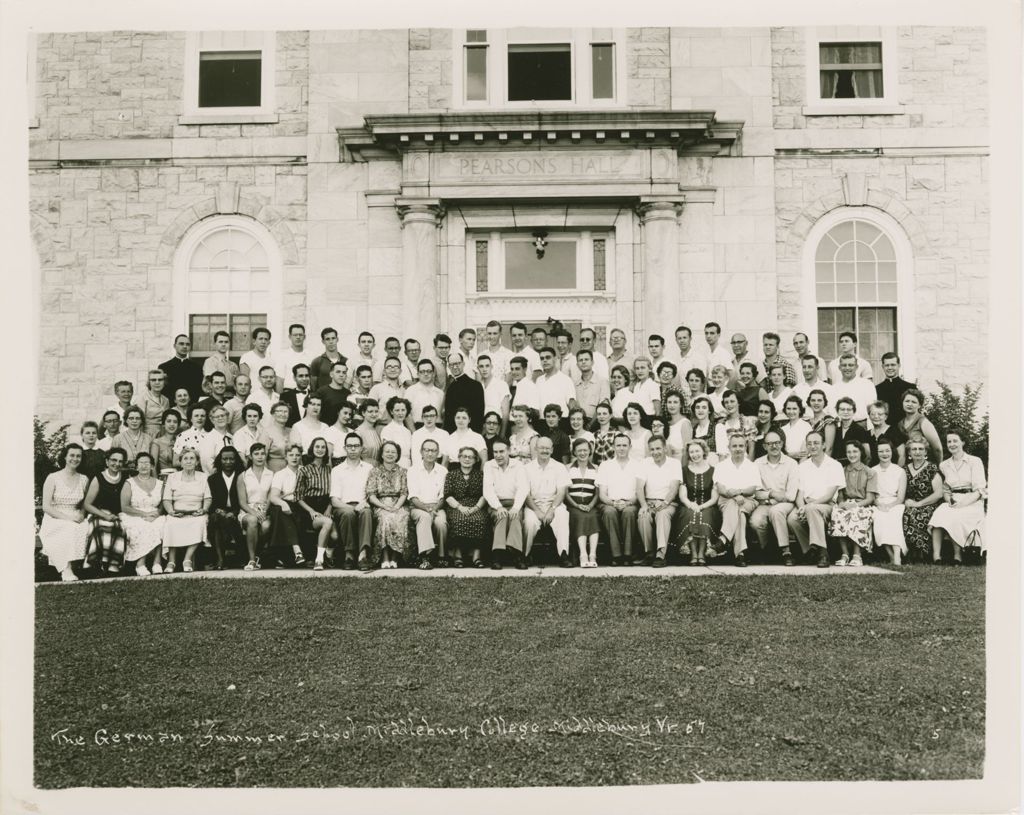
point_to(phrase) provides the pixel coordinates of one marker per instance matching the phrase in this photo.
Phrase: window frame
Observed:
(231, 41)
(887, 104)
(580, 42)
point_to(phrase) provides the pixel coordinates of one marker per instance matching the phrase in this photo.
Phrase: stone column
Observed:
(421, 218)
(659, 217)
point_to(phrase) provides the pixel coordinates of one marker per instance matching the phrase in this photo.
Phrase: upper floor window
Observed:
(851, 70)
(229, 75)
(528, 67)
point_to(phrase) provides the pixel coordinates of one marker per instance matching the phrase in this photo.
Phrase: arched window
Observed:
(857, 287)
(227, 279)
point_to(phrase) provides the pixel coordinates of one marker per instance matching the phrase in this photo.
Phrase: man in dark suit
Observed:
(463, 392)
(181, 371)
(296, 397)
(892, 388)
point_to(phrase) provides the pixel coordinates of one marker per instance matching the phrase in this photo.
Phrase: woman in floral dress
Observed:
(604, 434)
(387, 492)
(852, 515)
(142, 516)
(924, 492)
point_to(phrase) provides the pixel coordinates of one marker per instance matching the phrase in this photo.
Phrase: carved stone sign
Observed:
(532, 166)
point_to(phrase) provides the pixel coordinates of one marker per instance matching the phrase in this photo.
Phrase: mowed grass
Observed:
(776, 678)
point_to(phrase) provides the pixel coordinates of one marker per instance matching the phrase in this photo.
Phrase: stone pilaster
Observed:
(420, 219)
(659, 217)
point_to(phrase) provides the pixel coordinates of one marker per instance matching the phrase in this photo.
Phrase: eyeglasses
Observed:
(353, 446)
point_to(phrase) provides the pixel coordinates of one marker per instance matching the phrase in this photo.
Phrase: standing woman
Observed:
(765, 421)
(678, 430)
(719, 383)
(387, 491)
(463, 436)
(620, 392)
(638, 434)
(313, 494)
(821, 421)
(731, 420)
(142, 517)
(848, 430)
(522, 441)
(254, 503)
(891, 480)
(794, 428)
(915, 424)
(162, 448)
(182, 403)
(581, 499)
(93, 457)
(696, 385)
(701, 520)
(279, 435)
(852, 515)
(924, 492)
(189, 439)
(962, 513)
(132, 438)
(604, 434)
(105, 551)
(251, 433)
(186, 502)
(367, 430)
(396, 431)
(704, 427)
(464, 497)
(577, 427)
(284, 510)
(778, 393)
(64, 531)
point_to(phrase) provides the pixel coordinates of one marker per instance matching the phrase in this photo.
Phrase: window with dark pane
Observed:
(539, 72)
(850, 70)
(229, 79)
(602, 56)
(481, 265)
(524, 270)
(599, 265)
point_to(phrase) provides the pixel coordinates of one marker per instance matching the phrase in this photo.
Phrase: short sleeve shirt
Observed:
(658, 478)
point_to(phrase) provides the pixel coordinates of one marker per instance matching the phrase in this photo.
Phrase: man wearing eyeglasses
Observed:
(740, 354)
(780, 480)
(352, 514)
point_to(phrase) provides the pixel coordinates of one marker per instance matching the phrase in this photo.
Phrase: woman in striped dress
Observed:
(581, 499)
(313, 494)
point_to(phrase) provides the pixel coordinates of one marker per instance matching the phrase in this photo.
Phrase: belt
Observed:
(963, 489)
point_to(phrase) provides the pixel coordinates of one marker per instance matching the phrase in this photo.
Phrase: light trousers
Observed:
(508, 532)
(559, 525)
(731, 509)
(621, 528)
(773, 516)
(811, 531)
(429, 527)
(656, 527)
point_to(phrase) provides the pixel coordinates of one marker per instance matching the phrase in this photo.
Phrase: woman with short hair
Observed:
(522, 440)
(820, 421)
(604, 434)
(105, 550)
(464, 497)
(254, 503)
(141, 516)
(848, 430)
(704, 426)
(915, 424)
(678, 430)
(795, 428)
(387, 491)
(778, 392)
(892, 490)
(924, 492)
(764, 421)
(463, 436)
(224, 509)
(250, 433)
(277, 436)
(284, 510)
(94, 458)
(190, 439)
(961, 515)
(491, 430)
(852, 516)
(581, 500)
(398, 408)
(64, 531)
(621, 395)
(133, 438)
(700, 517)
(181, 403)
(187, 499)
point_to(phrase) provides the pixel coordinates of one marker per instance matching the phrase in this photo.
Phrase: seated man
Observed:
(780, 482)
(505, 490)
(426, 502)
(545, 503)
(353, 516)
(820, 477)
(736, 479)
(656, 491)
(616, 486)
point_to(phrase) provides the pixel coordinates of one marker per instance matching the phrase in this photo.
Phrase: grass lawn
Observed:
(669, 680)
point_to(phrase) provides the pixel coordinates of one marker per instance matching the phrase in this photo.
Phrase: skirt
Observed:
(63, 541)
(106, 546)
(284, 528)
(179, 532)
(143, 536)
(888, 526)
(965, 525)
(583, 524)
(702, 524)
(853, 523)
(391, 531)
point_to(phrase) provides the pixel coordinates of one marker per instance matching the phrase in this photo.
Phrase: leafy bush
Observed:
(47, 449)
(948, 409)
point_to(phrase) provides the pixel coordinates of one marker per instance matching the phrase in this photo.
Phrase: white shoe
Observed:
(317, 567)
(170, 567)
(256, 564)
(249, 566)
(157, 568)
(856, 561)
(141, 570)
(68, 576)
(843, 561)
(186, 566)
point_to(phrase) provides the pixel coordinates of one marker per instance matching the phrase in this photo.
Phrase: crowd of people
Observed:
(469, 456)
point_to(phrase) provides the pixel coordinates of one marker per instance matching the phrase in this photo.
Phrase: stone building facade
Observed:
(397, 180)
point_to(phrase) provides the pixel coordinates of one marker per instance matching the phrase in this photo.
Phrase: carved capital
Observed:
(420, 210)
(659, 208)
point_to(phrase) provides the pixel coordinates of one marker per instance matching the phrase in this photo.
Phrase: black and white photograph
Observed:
(479, 408)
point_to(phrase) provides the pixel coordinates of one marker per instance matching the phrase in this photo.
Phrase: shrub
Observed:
(47, 449)
(947, 409)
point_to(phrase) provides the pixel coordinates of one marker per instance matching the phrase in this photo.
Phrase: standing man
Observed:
(891, 389)
(618, 355)
(737, 479)
(617, 486)
(780, 481)
(388, 387)
(505, 489)
(467, 347)
(545, 502)
(334, 394)
(320, 368)
(858, 388)
(423, 393)
(181, 371)
(234, 405)
(590, 389)
(848, 345)
(499, 354)
(353, 517)
(362, 384)
(296, 397)
(802, 347)
(264, 394)
(813, 381)
(410, 362)
(153, 402)
(392, 348)
(554, 387)
(770, 345)
(426, 503)
(538, 340)
(366, 356)
(217, 398)
(497, 396)
(716, 354)
(820, 477)
(740, 354)
(256, 359)
(287, 359)
(656, 349)
(656, 489)
(522, 389)
(689, 356)
(465, 392)
(565, 360)
(442, 351)
(520, 349)
(218, 359)
(124, 392)
(587, 339)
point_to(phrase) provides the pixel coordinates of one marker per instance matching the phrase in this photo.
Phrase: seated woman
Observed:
(961, 515)
(522, 441)
(105, 550)
(387, 491)
(132, 438)
(700, 519)
(254, 503)
(464, 497)
(313, 494)
(915, 424)
(186, 502)
(892, 490)
(64, 530)
(142, 516)
(162, 447)
(190, 439)
(284, 511)
(636, 418)
(852, 516)
(604, 434)
(94, 459)
(395, 431)
(581, 499)
(794, 428)
(224, 507)
(924, 491)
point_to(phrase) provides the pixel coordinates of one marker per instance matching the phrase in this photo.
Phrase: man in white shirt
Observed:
(740, 354)
(505, 489)
(820, 478)
(389, 387)
(523, 390)
(591, 389)
(545, 502)
(520, 348)
(264, 395)
(497, 397)
(424, 392)
(716, 354)
(259, 357)
(234, 405)
(111, 422)
(802, 347)
(410, 362)
(392, 349)
(426, 502)
(587, 339)
(366, 342)
(499, 354)
(858, 388)
(293, 355)
(554, 387)
(737, 479)
(656, 350)
(352, 515)
(780, 481)
(218, 359)
(848, 345)
(431, 431)
(656, 491)
(216, 439)
(467, 347)
(618, 355)
(689, 357)
(813, 381)
(616, 486)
